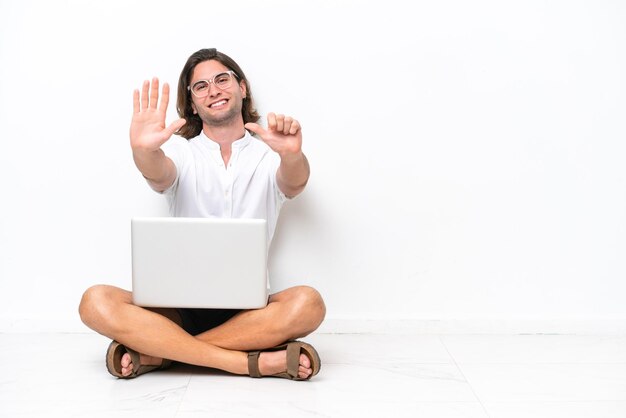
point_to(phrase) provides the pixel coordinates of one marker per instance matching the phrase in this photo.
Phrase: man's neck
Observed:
(224, 136)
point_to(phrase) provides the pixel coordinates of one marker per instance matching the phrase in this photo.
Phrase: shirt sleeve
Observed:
(176, 149)
(279, 196)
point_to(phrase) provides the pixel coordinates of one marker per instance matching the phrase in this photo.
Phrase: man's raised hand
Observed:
(283, 134)
(147, 129)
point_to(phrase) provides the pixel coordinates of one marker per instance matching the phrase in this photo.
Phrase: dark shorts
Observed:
(197, 321)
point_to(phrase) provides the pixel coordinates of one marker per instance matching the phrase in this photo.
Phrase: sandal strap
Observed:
(136, 360)
(294, 349)
(114, 357)
(293, 359)
(253, 364)
(144, 368)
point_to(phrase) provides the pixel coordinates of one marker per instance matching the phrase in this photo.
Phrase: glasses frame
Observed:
(212, 81)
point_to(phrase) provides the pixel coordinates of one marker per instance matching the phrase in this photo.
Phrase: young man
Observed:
(219, 170)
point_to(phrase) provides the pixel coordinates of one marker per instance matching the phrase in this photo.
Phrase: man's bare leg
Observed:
(300, 309)
(292, 313)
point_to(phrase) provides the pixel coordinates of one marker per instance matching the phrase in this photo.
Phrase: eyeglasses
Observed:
(222, 81)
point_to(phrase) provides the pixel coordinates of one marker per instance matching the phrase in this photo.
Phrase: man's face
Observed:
(219, 107)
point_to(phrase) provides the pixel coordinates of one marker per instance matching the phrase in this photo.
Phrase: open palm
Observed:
(147, 129)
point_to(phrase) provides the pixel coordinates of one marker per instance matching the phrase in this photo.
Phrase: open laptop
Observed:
(199, 262)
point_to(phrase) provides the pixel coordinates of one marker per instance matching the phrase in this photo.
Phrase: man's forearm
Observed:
(293, 174)
(156, 167)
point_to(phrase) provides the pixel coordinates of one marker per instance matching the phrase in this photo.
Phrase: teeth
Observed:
(221, 102)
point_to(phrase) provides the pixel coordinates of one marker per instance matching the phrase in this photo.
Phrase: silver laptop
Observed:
(199, 263)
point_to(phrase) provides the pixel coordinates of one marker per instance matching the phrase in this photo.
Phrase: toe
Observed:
(127, 365)
(126, 360)
(305, 361)
(303, 372)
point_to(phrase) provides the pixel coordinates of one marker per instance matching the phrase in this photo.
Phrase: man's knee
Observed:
(308, 308)
(96, 306)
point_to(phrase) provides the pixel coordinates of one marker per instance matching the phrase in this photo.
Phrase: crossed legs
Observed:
(157, 334)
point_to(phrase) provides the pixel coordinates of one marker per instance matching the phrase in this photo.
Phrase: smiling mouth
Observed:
(218, 104)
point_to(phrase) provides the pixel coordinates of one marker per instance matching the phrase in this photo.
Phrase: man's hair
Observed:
(193, 127)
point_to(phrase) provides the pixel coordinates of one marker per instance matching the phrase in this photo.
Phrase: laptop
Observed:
(199, 263)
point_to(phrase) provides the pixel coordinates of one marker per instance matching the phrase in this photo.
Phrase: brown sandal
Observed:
(294, 349)
(114, 361)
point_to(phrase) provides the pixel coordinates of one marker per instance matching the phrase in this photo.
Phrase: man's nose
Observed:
(213, 90)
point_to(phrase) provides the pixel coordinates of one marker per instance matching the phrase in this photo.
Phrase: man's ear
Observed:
(195, 111)
(244, 89)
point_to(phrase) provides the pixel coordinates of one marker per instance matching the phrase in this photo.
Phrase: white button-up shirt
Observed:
(205, 188)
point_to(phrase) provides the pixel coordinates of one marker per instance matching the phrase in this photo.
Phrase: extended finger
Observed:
(154, 93)
(144, 94)
(295, 127)
(165, 98)
(256, 128)
(271, 121)
(175, 126)
(136, 101)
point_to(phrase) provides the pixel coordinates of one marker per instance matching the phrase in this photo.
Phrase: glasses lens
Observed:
(201, 88)
(222, 80)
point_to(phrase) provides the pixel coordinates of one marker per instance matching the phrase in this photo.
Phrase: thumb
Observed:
(175, 126)
(255, 128)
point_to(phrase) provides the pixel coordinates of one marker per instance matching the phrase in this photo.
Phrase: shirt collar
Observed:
(243, 142)
(238, 144)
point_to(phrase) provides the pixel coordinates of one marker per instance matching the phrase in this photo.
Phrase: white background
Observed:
(467, 157)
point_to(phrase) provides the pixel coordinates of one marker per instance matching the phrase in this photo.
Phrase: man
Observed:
(219, 170)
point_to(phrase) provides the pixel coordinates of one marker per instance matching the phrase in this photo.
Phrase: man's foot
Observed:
(124, 363)
(294, 360)
(270, 363)
(274, 362)
(127, 363)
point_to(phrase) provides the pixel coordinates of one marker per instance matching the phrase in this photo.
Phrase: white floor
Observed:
(63, 375)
